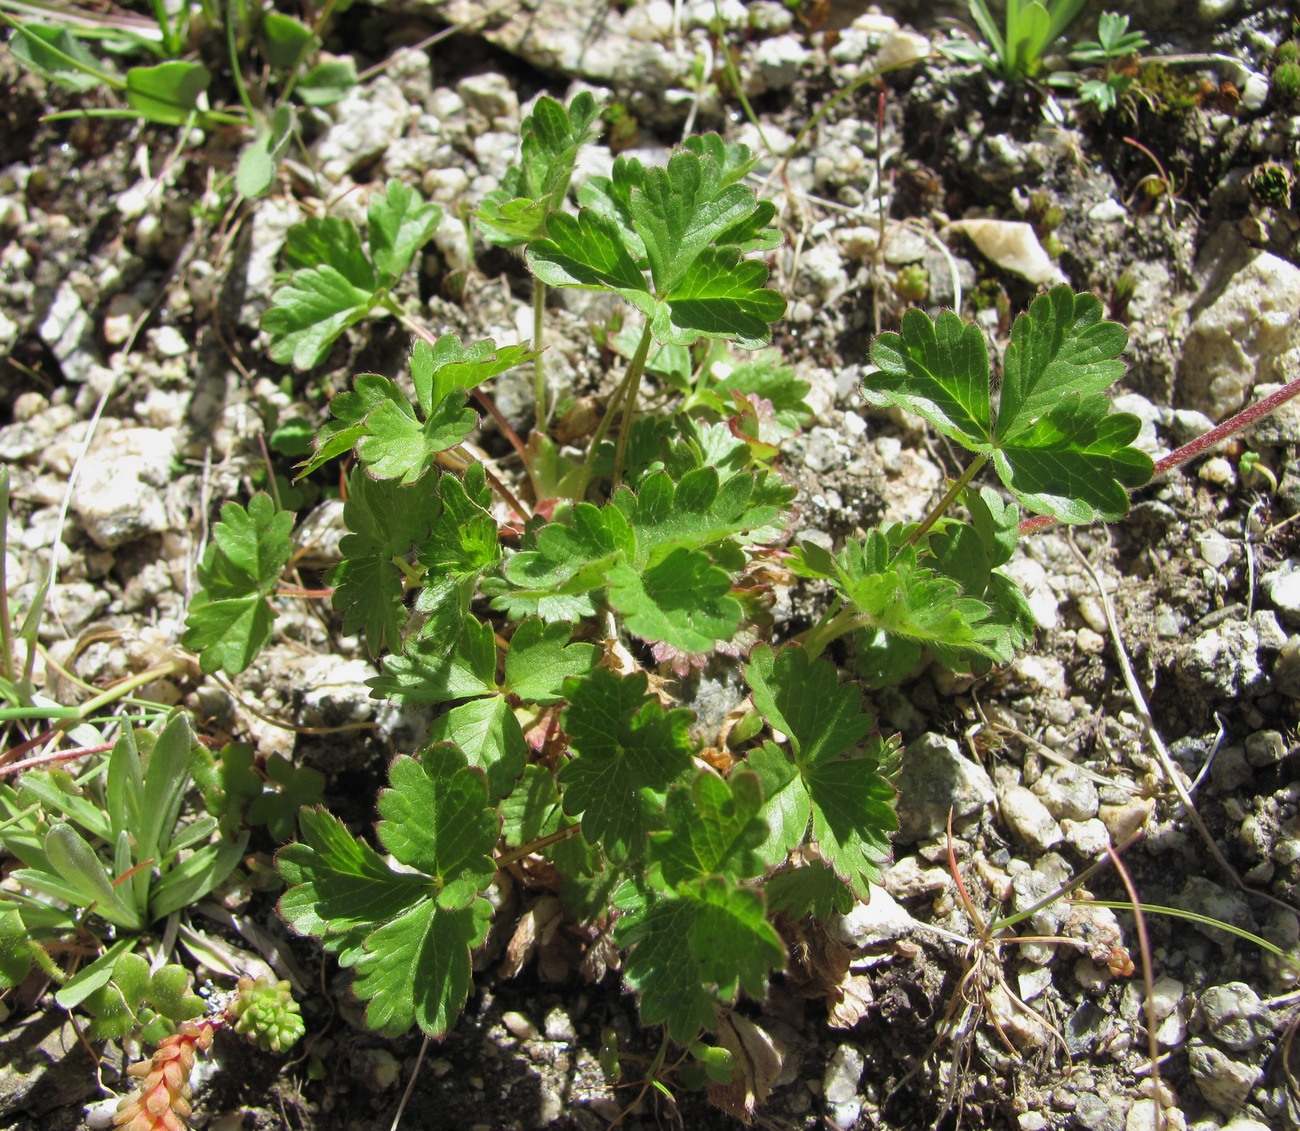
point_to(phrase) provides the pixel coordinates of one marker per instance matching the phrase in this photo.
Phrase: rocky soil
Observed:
(130, 293)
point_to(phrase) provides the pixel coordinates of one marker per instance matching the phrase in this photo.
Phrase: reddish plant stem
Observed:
(55, 759)
(1193, 448)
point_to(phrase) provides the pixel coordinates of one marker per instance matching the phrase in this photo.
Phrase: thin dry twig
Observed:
(1148, 983)
(1153, 735)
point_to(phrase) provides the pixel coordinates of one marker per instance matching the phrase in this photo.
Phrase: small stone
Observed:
(1107, 211)
(1224, 1082)
(1230, 770)
(1094, 979)
(1067, 793)
(1234, 1016)
(120, 318)
(1033, 982)
(1123, 820)
(118, 497)
(878, 919)
(167, 341)
(1186, 424)
(1097, 1111)
(1090, 643)
(1145, 1116)
(1087, 838)
(1214, 548)
(936, 778)
(1286, 672)
(1225, 660)
(558, 1026)
(1218, 472)
(1011, 245)
(492, 95)
(1206, 898)
(1169, 622)
(776, 63)
(1242, 332)
(378, 1069)
(909, 879)
(1282, 587)
(902, 47)
(519, 1026)
(1265, 748)
(1028, 819)
(843, 1071)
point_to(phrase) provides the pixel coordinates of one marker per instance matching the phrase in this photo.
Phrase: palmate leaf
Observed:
(714, 828)
(397, 440)
(401, 222)
(541, 658)
(835, 782)
(701, 509)
(408, 934)
(551, 137)
(1054, 441)
(688, 225)
(335, 285)
(230, 618)
(695, 947)
(463, 537)
(436, 819)
(489, 734)
(440, 667)
(572, 556)
(309, 313)
(683, 600)
(339, 887)
(894, 592)
(386, 521)
(627, 750)
(656, 550)
(332, 240)
(806, 701)
(813, 889)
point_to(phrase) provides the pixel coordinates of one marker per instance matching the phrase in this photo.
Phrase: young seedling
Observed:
(533, 189)
(1015, 50)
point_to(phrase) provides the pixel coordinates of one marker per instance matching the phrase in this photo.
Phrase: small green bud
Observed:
(266, 1012)
(912, 284)
(1270, 184)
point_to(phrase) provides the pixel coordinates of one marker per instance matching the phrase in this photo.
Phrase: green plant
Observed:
(1114, 44)
(175, 91)
(1285, 85)
(534, 188)
(1271, 184)
(1014, 51)
(111, 846)
(912, 284)
(123, 997)
(695, 865)
(265, 1011)
(241, 789)
(335, 283)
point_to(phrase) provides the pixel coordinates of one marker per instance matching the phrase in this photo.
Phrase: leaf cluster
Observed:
(176, 91)
(113, 845)
(1014, 50)
(672, 242)
(1049, 431)
(335, 283)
